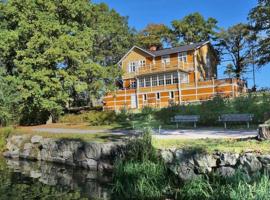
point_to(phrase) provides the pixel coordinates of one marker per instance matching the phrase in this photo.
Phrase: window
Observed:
(184, 78)
(142, 63)
(154, 80)
(161, 79)
(132, 66)
(171, 95)
(141, 82)
(165, 59)
(182, 57)
(175, 77)
(158, 96)
(133, 84)
(147, 81)
(168, 79)
(144, 97)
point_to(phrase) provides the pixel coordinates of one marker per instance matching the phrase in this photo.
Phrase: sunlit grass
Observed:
(211, 145)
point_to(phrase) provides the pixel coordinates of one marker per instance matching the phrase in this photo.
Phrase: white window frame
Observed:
(144, 97)
(184, 77)
(132, 66)
(162, 80)
(166, 76)
(158, 96)
(141, 82)
(142, 63)
(154, 80)
(182, 57)
(165, 59)
(171, 94)
(147, 81)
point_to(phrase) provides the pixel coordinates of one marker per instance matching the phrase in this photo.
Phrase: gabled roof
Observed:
(168, 51)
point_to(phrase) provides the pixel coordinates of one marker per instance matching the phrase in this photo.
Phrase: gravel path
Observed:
(166, 134)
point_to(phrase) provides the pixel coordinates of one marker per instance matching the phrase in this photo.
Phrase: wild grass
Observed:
(239, 186)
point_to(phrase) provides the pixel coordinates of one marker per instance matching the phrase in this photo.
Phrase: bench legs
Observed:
(176, 125)
(195, 125)
(247, 124)
(225, 125)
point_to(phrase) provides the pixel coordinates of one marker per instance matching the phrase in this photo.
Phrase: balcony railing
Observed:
(155, 68)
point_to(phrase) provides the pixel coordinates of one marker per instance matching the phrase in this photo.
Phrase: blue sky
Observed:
(227, 12)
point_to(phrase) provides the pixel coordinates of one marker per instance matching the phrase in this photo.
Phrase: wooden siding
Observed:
(189, 93)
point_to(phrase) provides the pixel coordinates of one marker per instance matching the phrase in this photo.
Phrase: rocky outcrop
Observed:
(89, 155)
(188, 165)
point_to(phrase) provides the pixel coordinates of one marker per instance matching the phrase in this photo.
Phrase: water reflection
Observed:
(40, 180)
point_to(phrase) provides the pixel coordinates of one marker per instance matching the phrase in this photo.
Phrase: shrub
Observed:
(94, 118)
(4, 134)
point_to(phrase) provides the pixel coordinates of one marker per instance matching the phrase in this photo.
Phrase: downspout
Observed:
(195, 71)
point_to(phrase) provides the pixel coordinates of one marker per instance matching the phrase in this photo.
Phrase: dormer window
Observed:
(182, 57)
(165, 59)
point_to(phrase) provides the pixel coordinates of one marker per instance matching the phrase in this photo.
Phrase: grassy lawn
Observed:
(211, 145)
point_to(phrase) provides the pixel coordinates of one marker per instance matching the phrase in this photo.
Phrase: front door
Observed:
(133, 101)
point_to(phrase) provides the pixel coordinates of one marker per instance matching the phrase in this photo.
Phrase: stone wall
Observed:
(188, 165)
(89, 155)
(183, 163)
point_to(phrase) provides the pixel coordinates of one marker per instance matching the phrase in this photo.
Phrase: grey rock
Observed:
(36, 139)
(265, 159)
(204, 163)
(93, 150)
(228, 159)
(226, 171)
(250, 163)
(167, 156)
(184, 171)
(90, 164)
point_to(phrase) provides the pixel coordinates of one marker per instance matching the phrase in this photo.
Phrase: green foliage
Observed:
(154, 35)
(4, 134)
(135, 180)
(256, 103)
(194, 28)
(236, 42)
(94, 118)
(260, 19)
(239, 186)
(10, 98)
(58, 50)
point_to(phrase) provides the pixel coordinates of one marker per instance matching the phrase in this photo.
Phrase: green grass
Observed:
(211, 145)
(93, 137)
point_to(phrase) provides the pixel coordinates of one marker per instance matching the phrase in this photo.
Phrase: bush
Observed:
(4, 134)
(94, 118)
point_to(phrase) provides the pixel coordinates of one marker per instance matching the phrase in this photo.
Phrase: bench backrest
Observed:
(236, 117)
(186, 118)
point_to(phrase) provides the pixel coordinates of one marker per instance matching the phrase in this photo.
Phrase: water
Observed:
(40, 180)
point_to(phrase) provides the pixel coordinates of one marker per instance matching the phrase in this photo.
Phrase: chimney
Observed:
(153, 48)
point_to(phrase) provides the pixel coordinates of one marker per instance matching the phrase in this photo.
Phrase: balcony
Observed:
(151, 69)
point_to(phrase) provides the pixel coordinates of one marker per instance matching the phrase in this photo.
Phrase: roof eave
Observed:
(147, 52)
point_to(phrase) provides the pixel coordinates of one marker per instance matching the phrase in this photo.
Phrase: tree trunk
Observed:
(264, 132)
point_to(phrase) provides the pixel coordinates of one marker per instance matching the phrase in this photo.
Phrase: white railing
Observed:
(152, 68)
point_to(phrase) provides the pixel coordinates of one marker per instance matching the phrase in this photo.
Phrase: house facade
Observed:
(160, 78)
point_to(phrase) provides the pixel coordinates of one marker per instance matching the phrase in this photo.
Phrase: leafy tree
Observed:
(234, 45)
(194, 28)
(154, 35)
(9, 100)
(260, 18)
(49, 47)
(112, 35)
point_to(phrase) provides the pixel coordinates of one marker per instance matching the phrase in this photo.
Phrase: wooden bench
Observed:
(235, 118)
(185, 118)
